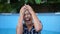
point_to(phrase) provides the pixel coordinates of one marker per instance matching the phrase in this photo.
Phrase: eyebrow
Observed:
(28, 13)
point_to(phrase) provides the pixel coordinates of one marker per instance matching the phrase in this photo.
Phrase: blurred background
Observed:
(47, 11)
(40, 6)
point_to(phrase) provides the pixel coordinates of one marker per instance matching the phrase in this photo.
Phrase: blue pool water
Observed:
(50, 22)
(13, 31)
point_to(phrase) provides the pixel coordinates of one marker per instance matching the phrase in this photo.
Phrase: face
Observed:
(27, 17)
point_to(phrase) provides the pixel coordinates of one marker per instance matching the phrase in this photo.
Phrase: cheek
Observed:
(23, 17)
(29, 15)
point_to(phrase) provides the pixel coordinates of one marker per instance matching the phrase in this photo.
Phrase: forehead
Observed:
(26, 12)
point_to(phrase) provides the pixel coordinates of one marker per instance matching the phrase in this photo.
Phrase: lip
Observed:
(27, 19)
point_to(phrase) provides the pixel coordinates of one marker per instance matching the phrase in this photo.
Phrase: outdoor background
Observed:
(47, 11)
(40, 6)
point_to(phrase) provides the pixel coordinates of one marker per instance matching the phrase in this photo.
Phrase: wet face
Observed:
(27, 17)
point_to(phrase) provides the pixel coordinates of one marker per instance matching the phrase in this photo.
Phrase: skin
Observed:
(28, 15)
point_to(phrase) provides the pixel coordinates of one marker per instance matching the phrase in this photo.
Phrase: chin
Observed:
(29, 23)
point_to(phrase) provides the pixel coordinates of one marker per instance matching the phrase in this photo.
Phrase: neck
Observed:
(29, 26)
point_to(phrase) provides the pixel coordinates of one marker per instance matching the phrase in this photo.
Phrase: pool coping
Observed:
(41, 14)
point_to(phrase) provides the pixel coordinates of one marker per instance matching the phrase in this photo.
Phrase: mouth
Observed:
(28, 19)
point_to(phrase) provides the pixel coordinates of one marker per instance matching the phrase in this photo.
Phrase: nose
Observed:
(26, 16)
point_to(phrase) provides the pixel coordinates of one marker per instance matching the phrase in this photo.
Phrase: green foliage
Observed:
(38, 1)
(7, 8)
(33, 1)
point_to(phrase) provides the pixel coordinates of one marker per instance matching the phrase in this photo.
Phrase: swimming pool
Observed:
(50, 22)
